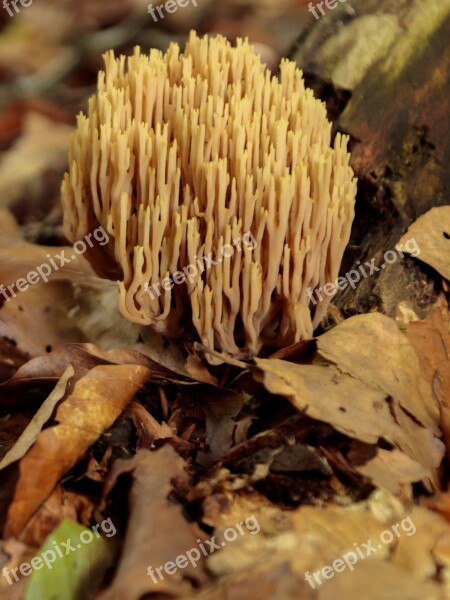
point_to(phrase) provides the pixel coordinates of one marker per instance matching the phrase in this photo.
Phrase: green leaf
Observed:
(71, 566)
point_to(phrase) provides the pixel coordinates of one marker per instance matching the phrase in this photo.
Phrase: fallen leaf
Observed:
(373, 578)
(221, 407)
(46, 369)
(17, 260)
(391, 470)
(157, 531)
(326, 394)
(310, 538)
(29, 435)
(148, 428)
(372, 348)
(198, 370)
(60, 505)
(37, 320)
(261, 583)
(354, 408)
(431, 341)
(95, 402)
(431, 232)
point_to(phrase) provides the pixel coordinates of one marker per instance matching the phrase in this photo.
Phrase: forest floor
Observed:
(318, 472)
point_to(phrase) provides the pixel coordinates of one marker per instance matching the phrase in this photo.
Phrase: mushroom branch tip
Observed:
(221, 190)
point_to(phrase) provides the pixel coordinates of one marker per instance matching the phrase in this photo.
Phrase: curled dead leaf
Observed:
(94, 403)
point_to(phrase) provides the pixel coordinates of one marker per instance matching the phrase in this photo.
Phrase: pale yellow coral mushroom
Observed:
(184, 152)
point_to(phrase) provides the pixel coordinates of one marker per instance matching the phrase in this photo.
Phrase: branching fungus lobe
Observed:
(182, 153)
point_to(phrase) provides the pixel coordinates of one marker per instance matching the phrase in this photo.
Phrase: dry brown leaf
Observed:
(392, 470)
(17, 260)
(277, 583)
(310, 538)
(58, 506)
(37, 319)
(430, 546)
(147, 427)
(92, 406)
(11, 427)
(350, 406)
(32, 379)
(323, 393)
(286, 467)
(373, 349)
(30, 433)
(197, 369)
(221, 407)
(432, 234)
(375, 580)
(49, 367)
(157, 531)
(431, 340)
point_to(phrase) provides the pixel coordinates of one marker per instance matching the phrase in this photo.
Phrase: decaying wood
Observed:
(388, 64)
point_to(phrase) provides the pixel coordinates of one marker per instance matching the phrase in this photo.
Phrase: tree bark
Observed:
(383, 69)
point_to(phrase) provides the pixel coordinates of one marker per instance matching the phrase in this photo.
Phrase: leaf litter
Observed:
(326, 443)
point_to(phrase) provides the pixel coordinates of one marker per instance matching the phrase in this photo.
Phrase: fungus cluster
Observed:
(182, 155)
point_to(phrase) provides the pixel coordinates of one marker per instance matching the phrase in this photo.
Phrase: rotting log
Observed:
(383, 69)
